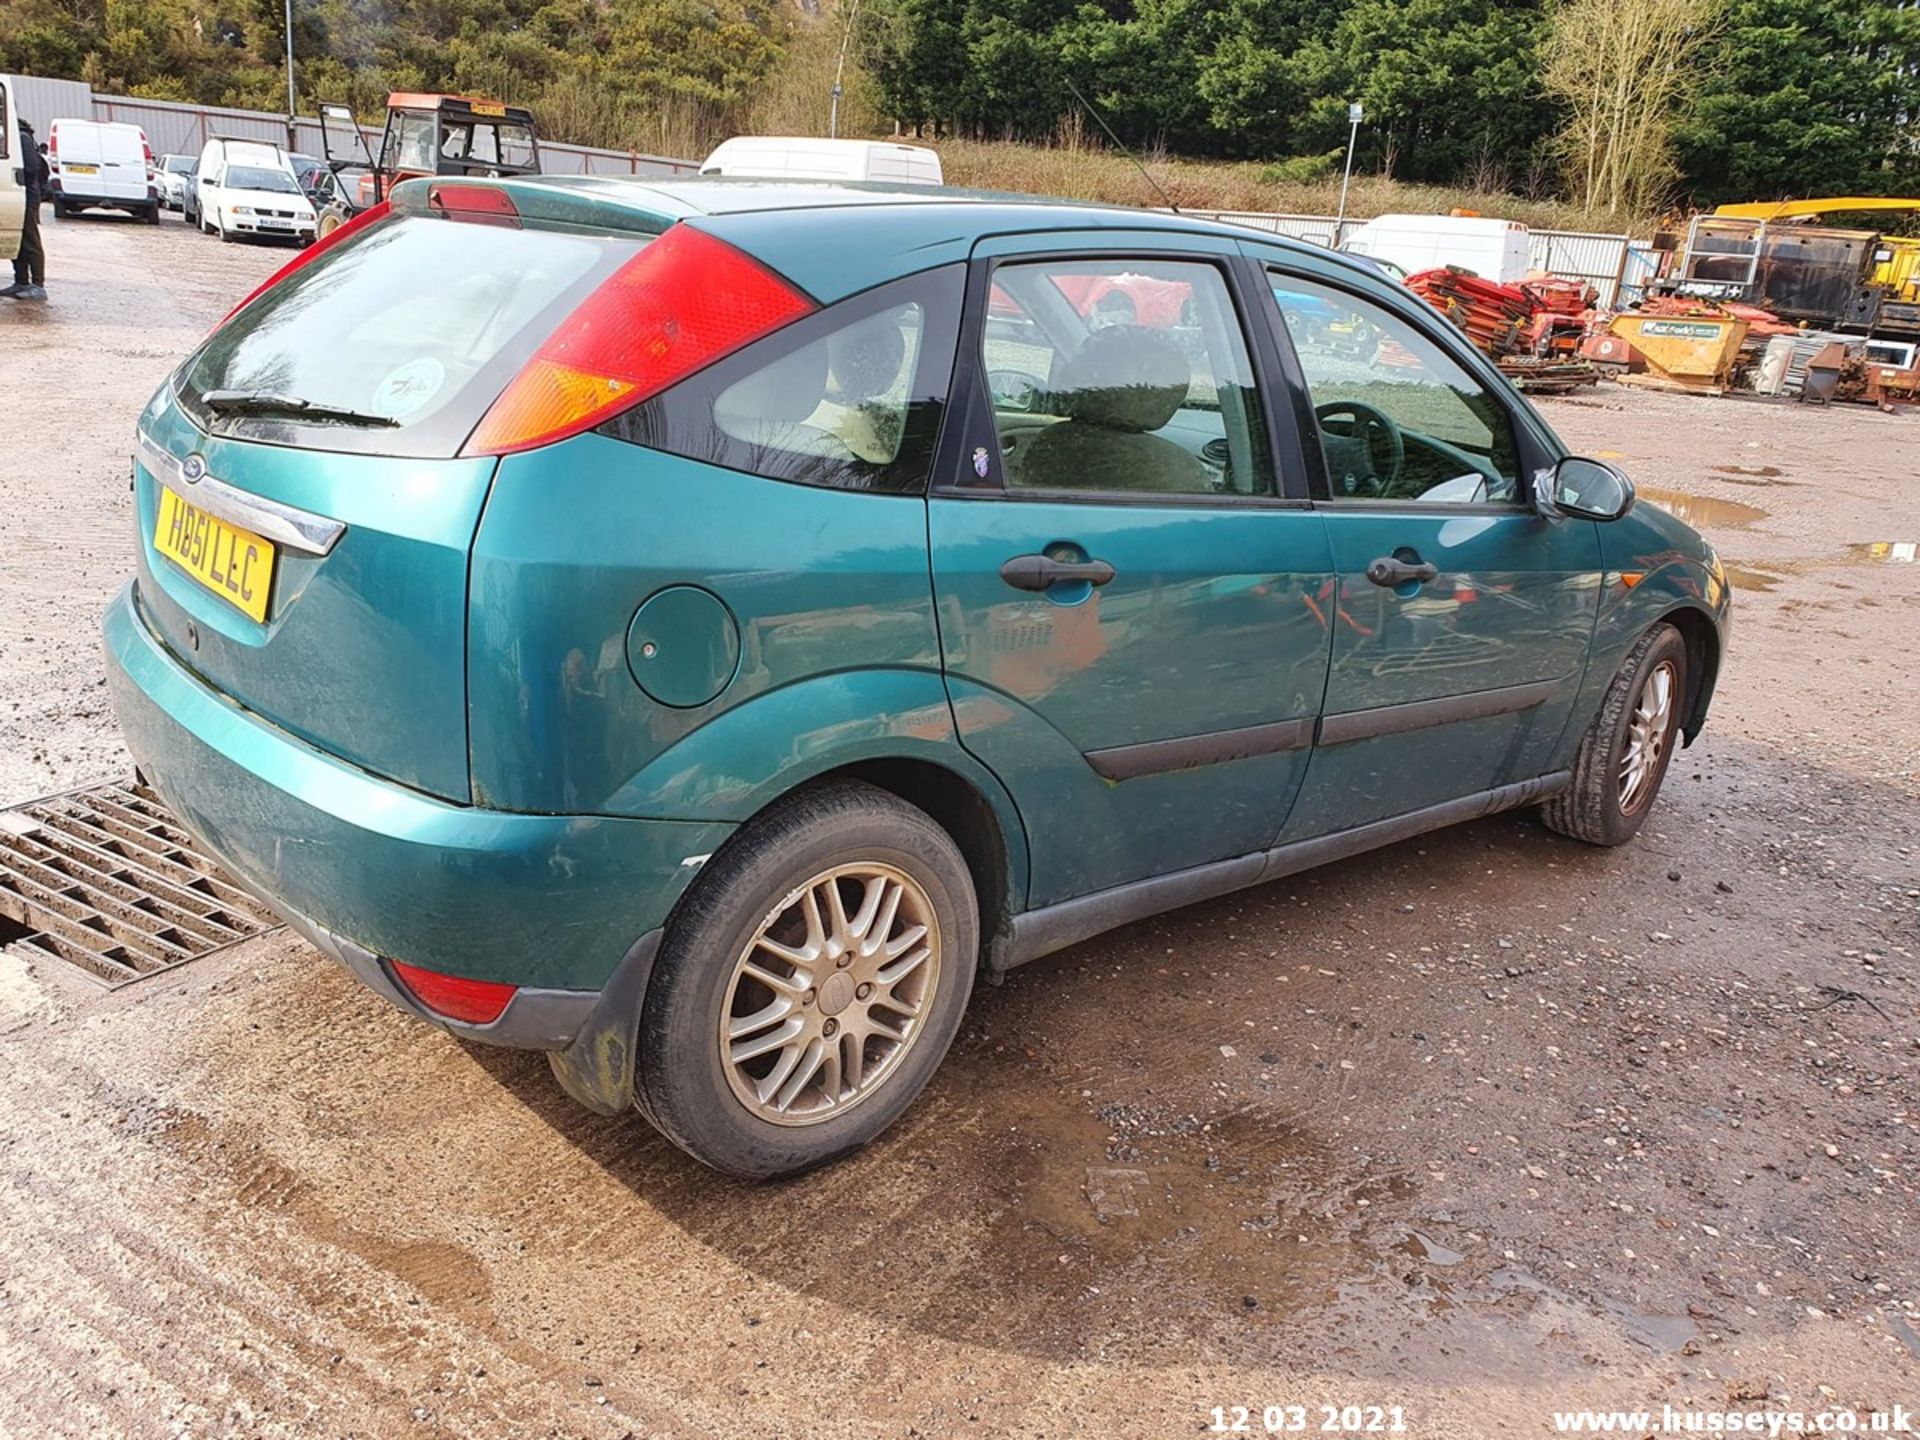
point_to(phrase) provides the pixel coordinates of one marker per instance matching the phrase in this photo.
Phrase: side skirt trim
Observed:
(1055, 927)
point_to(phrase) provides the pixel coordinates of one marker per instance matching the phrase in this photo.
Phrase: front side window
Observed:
(1399, 419)
(850, 397)
(1122, 377)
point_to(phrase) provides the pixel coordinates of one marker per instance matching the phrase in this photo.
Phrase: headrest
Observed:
(864, 359)
(1123, 377)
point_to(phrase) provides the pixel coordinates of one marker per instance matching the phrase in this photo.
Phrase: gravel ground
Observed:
(1486, 1125)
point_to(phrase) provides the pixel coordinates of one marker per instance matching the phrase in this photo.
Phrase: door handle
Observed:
(1391, 571)
(1041, 572)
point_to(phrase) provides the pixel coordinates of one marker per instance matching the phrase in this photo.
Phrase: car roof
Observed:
(798, 227)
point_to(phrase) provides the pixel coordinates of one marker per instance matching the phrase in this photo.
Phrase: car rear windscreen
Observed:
(405, 332)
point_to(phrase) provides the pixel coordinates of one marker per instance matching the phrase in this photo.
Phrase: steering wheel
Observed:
(1350, 454)
(1014, 390)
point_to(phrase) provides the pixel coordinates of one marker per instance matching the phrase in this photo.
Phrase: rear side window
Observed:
(407, 331)
(850, 397)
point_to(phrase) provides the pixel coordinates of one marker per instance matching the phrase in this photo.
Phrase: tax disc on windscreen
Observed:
(410, 387)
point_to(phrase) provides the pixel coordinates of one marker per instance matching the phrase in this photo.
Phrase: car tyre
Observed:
(60, 209)
(1625, 753)
(776, 882)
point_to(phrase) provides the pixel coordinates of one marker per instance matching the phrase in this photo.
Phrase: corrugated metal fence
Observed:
(177, 129)
(1314, 229)
(1600, 259)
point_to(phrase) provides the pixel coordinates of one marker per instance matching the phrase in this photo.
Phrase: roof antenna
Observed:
(1158, 188)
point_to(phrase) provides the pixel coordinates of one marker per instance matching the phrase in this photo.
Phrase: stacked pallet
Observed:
(1493, 315)
(1531, 330)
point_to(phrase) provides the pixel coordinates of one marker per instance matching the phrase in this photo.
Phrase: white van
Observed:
(796, 157)
(246, 188)
(1492, 249)
(215, 155)
(97, 163)
(13, 178)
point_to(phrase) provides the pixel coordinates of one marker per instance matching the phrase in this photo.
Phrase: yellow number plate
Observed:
(236, 564)
(83, 169)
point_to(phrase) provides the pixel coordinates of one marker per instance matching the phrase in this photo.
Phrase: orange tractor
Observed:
(425, 135)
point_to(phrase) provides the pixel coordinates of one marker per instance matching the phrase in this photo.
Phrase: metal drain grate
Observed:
(104, 879)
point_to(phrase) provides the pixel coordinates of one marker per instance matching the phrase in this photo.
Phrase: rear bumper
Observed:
(369, 870)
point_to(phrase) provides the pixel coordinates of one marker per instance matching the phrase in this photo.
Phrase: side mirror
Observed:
(1586, 489)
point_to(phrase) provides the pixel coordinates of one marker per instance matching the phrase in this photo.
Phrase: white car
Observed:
(255, 199)
(173, 176)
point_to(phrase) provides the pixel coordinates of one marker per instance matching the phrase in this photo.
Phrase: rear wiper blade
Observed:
(271, 402)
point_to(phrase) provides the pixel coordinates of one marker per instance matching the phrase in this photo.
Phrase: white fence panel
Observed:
(43, 101)
(1598, 259)
(1322, 230)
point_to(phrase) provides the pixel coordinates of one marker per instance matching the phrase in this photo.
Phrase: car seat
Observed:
(1123, 383)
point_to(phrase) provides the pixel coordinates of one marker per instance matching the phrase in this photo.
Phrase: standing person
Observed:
(30, 265)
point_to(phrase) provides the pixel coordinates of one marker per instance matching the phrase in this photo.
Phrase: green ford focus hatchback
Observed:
(698, 629)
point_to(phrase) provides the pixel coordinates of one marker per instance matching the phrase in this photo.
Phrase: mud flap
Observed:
(597, 1068)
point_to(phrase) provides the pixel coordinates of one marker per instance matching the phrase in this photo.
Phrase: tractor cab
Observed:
(425, 135)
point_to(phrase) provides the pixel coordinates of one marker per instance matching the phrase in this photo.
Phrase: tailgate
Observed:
(361, 651)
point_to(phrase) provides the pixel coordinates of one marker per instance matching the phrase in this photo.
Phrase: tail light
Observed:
(364, 220)
(475, 1002)
(682, 303)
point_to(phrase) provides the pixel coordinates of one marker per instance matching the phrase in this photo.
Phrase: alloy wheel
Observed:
(830, 993)
(1649, 731)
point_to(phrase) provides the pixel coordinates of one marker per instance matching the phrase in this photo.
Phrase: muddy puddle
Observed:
(1702, 510)
(1755, 581)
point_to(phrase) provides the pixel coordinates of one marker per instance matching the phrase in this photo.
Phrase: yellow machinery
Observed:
(1897, 263)
(1682, 352)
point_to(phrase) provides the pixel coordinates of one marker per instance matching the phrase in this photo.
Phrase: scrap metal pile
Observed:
(1548, 335)
(1532, 330)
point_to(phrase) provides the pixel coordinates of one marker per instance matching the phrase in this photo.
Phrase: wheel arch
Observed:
(995, 858)
(1702, 638)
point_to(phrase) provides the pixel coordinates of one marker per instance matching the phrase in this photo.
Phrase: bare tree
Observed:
(1626, 70)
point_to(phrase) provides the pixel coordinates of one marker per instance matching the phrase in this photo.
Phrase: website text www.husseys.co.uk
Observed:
(1669, 1421)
